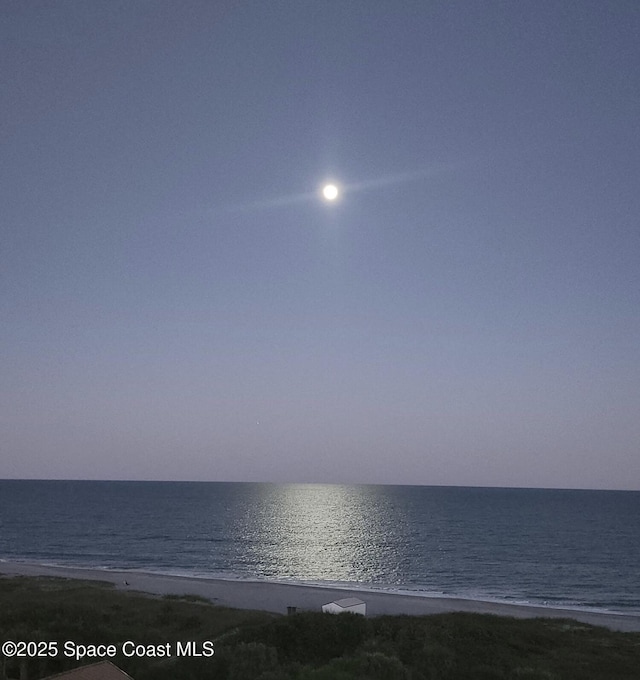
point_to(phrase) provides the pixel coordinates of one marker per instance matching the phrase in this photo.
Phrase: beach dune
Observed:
(277, 597)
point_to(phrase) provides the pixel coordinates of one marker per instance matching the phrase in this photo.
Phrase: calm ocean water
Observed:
(564, 548)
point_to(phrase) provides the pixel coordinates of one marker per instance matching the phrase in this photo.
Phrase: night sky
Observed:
(178, 301)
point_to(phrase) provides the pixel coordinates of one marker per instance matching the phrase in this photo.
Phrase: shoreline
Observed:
(275, 597)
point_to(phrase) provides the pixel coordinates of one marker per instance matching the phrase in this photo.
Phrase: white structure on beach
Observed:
(347, 604)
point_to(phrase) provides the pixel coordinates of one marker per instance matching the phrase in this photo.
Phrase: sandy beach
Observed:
(276, 597)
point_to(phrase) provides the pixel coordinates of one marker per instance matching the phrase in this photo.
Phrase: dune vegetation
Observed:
(252, 645)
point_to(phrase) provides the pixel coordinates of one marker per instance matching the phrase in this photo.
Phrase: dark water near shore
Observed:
(558, 547)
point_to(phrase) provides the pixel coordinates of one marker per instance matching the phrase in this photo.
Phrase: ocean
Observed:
(565, 548)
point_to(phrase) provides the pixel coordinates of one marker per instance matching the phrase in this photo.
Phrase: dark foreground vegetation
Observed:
(307, 646)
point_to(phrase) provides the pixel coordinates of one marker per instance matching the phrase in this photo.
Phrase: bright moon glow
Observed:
(330, 192)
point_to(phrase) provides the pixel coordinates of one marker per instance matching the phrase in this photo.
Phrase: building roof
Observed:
(348, 602)
(103, 670)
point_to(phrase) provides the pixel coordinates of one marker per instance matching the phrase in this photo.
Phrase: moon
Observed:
(330, 192)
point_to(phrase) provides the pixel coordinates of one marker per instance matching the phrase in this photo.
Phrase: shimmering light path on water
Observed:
(576, 548)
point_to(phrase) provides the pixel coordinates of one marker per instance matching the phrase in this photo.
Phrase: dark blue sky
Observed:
(177, 302)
